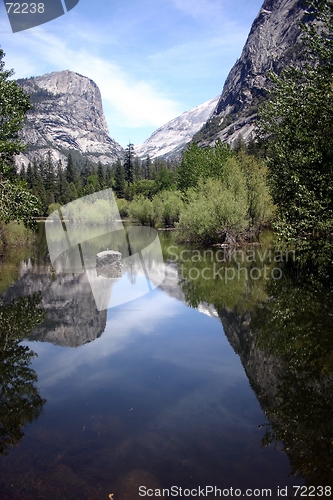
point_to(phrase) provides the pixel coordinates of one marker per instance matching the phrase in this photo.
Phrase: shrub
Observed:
(171, 205)
(144, 210)
(261, 207)
(215, 207)
(53, 207)
(123, 207)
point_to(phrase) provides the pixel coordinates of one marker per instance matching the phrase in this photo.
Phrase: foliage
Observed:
(171, 206)
(123, 207)
(147, 212)
(214, 208)
(261, 206)
(297, 120)
(202, 163)
(145, 187)
(14, 104)
(16, 202)
(53, 207)
(238, 200)
(15, 235)
(165, 179)
(20, 402)
(96, 212)
(294, 329)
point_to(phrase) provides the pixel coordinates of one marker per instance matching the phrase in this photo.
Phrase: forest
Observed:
(214, 194)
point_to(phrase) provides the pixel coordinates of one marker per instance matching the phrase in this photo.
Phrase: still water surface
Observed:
(184, 386)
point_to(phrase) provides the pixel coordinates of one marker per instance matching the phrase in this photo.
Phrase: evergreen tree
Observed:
(137, 169)
(50, 180)
(72, 175)
(63, 186)
(29, 175)
(22, 175)
(108, 177)
(147, 169)
(85, 173)
(101, 175)
(129, 164)
(119, 180)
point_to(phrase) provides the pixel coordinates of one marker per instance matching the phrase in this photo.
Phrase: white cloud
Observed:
(123, 327)
(131, 102)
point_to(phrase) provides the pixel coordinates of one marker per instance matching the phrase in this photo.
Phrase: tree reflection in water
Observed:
(296, 326)
(282, 331)
(20, 402)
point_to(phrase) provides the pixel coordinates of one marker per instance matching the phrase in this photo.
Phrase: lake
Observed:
(214, 381)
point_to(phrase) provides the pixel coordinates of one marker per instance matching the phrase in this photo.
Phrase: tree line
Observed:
(216, 188)
(56, 183)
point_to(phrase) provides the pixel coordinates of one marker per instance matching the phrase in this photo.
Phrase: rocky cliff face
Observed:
(67, 115)
(273, 43)
(168, 141)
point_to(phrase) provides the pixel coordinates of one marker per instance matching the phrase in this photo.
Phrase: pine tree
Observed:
(50, 180)
(119, 180)
(101, 175)
(147, 172)
(85, 173)
(108, 177)
(129, 164)
(72, 176)
(29, 175)
(22, 174)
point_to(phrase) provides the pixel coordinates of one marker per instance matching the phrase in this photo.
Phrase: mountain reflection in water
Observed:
(155, 393)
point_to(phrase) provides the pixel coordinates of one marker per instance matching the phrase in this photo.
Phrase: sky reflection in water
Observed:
(161, 390)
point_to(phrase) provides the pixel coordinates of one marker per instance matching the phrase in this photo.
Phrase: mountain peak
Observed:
(169, 140)
(67, 115)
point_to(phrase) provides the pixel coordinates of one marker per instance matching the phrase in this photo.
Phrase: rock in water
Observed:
(108, 264)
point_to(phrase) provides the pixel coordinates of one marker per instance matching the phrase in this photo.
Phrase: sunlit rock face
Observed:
(67, 116)
(169, 140)
(273, 43)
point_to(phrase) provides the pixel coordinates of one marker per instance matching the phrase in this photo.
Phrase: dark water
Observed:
(220, 377)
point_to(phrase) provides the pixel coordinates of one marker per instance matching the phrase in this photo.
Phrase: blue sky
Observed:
(152, 59)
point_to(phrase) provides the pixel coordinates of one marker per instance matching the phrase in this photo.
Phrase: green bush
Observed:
(261, 207)
(14, 235)
(214, 208)
(53, 207)
(239, 200)
(123, 207)
(145, 211)
(171, 205)
(144, 187)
